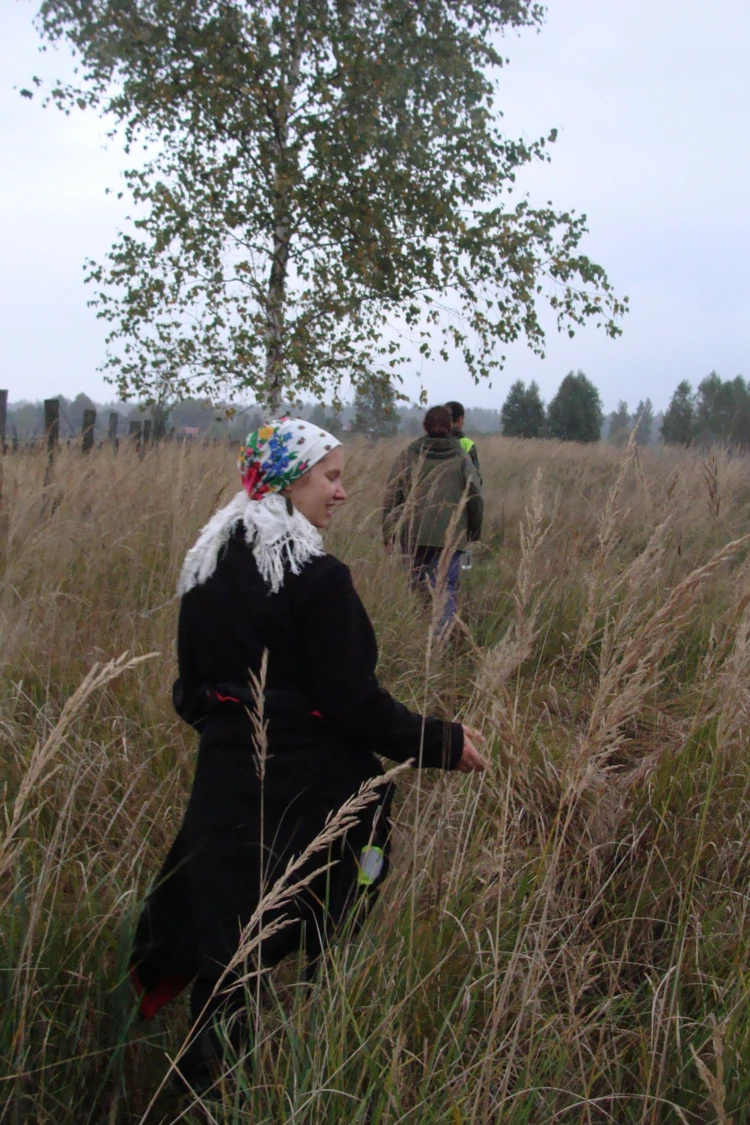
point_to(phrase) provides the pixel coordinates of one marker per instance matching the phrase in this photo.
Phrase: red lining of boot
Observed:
(161, 994)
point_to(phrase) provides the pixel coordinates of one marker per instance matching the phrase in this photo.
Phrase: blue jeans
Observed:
(424, 571)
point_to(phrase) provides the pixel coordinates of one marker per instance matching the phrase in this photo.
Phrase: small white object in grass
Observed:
(371, 860)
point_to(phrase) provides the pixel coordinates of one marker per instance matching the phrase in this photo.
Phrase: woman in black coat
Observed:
(258, 581)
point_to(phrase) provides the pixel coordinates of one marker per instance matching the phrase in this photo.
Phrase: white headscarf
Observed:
(272, 458)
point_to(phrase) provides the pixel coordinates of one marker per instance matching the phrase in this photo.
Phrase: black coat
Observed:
(327, 717)
(321, 645)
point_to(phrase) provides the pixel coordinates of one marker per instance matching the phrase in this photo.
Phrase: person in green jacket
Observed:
(457, 416)
(433, 508)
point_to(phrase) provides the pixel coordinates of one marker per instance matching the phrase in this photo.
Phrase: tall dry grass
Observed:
(562, 939)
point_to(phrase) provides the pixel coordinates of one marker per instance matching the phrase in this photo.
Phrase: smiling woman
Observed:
(269, 620)
(318, 491)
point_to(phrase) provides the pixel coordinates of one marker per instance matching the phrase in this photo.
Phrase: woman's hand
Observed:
(471, 759)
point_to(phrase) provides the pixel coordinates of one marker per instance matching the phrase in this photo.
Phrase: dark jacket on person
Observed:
(321, 646)
(433, 497)
(252, 809)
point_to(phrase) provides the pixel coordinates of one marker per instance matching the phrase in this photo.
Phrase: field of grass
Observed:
(562, 939)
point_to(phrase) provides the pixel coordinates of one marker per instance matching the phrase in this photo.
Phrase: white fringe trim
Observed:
(279, 541)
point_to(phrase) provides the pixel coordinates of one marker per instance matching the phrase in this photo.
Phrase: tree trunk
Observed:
(275, 300)
(275, 305)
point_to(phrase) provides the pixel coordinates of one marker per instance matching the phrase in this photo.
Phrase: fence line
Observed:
(142, 434)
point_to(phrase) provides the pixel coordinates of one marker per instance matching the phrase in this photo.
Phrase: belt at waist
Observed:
(274, 700)
(225, 698)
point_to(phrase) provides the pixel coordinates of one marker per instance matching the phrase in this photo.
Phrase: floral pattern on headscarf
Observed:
(276, 454)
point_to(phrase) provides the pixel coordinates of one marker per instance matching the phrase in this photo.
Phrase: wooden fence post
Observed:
(52, 433)
(147, 432)
(136, 435)
(4, 518)
(89, 422)
(51, 424)
(3, 419)
(160, 423)
(114, 441)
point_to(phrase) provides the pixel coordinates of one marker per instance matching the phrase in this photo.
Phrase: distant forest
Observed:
(716, 412)
(26, 419)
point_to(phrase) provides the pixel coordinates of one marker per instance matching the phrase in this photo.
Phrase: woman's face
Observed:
(318, 491)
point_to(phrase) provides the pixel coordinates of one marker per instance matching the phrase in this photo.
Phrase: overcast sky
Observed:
(651, 99)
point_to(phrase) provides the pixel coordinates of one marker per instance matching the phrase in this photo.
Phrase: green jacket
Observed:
(426, 487)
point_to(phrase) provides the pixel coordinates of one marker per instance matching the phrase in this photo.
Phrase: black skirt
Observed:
(245, 821)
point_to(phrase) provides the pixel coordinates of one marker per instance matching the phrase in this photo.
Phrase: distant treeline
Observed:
(26, 419)
(717, 411)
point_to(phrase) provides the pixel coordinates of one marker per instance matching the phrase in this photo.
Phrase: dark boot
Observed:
(202, 1063)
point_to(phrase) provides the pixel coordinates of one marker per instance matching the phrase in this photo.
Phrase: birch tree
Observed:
(326, 193)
